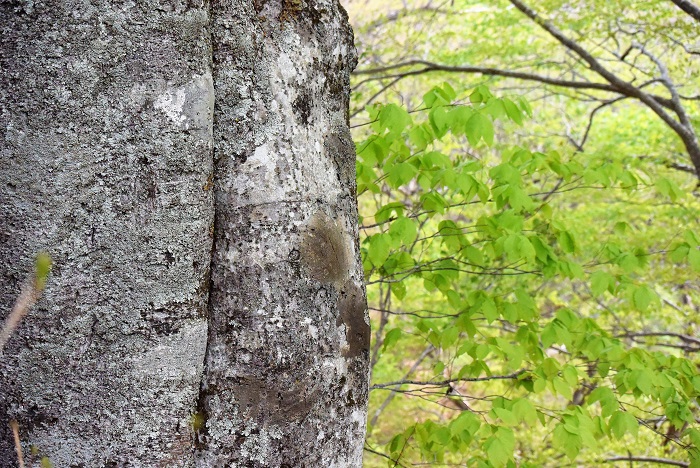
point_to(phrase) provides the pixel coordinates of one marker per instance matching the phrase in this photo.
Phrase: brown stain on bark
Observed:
(261, 400)
(324, 250)
(326, 256)
(291, 9)
(351, 307)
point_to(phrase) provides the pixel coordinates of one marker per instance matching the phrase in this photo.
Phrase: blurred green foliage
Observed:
(532, 272)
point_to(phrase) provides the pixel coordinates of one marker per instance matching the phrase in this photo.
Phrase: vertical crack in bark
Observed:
(200, 416)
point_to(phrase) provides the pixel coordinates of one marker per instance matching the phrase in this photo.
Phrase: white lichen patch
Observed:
(171, 103)
(257, 447)
(177, 356)
(190, 107)
(286, 67)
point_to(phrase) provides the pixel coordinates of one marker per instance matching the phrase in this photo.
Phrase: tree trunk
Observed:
(134, 135)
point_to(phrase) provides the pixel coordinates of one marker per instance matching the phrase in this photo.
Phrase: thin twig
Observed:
(443, 383)
(31, 291)
(24, 302)
(18, 447)
(662, 461)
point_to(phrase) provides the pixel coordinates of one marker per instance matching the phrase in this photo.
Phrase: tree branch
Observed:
(388, 399)
(662, 461)
(443, 383)
(689, 7)
(432, 67)
(685, 132)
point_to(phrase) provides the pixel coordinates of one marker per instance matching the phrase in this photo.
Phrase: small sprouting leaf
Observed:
(197, 421)
(43, 267)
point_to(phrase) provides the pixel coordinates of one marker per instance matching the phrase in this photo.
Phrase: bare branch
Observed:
(686, 338)
(689, 7)
(444, 383)
(684, 131)
(369, 449)
(391, 396)
(433, 67)
(661, 461)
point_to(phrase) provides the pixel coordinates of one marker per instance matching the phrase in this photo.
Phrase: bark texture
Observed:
(106, 140)
(126, 128)
(287, 360)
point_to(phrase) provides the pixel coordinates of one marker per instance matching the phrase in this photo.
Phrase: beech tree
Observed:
(188, 168)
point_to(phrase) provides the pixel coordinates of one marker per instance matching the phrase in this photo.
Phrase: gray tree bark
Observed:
(190, 171)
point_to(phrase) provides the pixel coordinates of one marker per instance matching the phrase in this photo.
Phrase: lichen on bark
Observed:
(189, 168)
(105, 148)
(286, 370)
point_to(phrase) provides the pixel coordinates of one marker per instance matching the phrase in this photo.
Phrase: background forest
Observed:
(528, 187)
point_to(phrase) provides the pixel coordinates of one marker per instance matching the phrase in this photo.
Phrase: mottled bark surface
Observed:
(106, 142)
(286, 369)
(106, 162)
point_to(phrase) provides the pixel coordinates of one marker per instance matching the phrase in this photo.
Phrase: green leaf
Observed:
(508, 418)
(488, 308)
(466, 422)
(499, 447)
(622, 422)
(601, 282)
(394, 118)
(449, 337)
(566, 441)
(525, 106)
(513, 111)
(400, 173)
(694, 258)
(404, 229)
(397, 443)
(391, 337)
(379, 245)
(566, 241)
(621, 228)
(570, 375)
(644, 381)
(524, 411)
(399, 290)
(668, 188)
(477, 127)
(386, 211)
(562, 388)
(643, 297)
